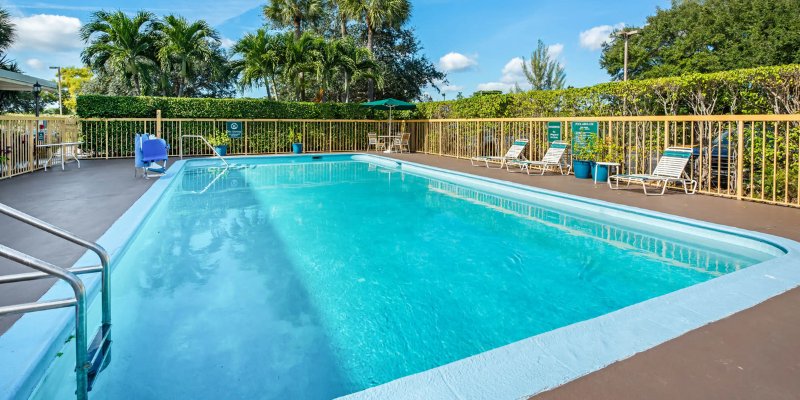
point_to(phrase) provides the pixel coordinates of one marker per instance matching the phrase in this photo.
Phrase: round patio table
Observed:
(390, 139)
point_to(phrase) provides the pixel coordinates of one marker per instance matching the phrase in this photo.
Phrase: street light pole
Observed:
(37, 90)
(627, 35)
(60, 104)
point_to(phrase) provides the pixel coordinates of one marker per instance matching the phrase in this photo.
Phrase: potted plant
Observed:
(582, 157)
(220, 141)
(608, 150)
(297, 141)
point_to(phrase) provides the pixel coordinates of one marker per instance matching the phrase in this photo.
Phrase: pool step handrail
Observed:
(213, 150)
(89, 360)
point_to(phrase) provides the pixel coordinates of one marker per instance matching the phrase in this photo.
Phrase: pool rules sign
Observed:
(234, 129)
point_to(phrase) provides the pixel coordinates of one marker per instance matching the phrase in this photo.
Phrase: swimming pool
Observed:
(304, 277)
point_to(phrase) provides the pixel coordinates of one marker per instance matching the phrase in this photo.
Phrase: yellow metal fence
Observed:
(745, 157)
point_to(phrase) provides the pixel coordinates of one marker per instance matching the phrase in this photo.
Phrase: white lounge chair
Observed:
(554, 158)
(513, 153)
(670, 168)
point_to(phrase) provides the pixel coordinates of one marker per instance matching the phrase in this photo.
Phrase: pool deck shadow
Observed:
(753, 354)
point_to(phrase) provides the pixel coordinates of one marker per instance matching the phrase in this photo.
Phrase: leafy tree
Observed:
(709, 36)
(405, 71)
(294, 13)
(543, 72)
(123, 45)
(378, 14)
(73, 79)
(186, 49)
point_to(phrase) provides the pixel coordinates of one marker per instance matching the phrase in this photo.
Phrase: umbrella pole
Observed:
(390, 121)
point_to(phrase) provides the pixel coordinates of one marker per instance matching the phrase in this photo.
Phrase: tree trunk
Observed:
(297, 29)
(370, 82)
(266, 83)
(346, 87)
(343, 27)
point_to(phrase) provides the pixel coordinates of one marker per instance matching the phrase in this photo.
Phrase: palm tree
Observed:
(360, 66)
(120, 44)
(300, 58)
(260, 59)
(293, 13)
(185, 48)
(343, 12)
(7, 35)
(378, 14)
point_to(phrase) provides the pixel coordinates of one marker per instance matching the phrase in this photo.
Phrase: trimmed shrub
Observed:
(97, 106)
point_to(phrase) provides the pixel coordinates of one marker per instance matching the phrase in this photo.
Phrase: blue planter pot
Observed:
(222, 150)
(582, 169)
(600, 172)
(297, 148)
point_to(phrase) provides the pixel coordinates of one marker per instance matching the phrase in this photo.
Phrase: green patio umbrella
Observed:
(391, 105)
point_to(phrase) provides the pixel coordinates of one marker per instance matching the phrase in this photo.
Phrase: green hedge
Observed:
(764, 90)
(96, 106)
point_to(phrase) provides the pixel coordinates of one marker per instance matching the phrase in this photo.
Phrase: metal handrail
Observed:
(82, 364)
(47, 270)
(207, 144)
(64, 234)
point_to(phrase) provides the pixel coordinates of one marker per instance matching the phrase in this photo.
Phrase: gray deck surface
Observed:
(85, 201)
(752, 354)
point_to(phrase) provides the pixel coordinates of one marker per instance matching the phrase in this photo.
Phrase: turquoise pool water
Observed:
(319, 279)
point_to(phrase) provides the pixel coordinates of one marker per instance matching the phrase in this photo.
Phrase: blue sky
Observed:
(478, 43)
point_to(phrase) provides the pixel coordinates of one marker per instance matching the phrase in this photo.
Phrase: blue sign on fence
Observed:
(234, 129)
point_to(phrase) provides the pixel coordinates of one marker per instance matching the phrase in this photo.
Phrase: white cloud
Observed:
(227, 43)
(505, 87)
(513, 72)
(451, 88)
(34, 63)
(593, 38)
(555, 50)
(457, 62)
(47, 32)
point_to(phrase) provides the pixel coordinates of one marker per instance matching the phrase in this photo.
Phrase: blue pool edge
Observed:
(515, 370)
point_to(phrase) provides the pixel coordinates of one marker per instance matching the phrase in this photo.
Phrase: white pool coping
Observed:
(517, 370)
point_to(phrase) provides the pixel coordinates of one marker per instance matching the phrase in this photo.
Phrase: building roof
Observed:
(17, 82)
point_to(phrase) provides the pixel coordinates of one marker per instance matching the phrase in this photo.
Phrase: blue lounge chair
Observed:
(151, 150)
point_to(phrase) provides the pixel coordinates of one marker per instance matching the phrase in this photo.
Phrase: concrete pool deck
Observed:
(769, 355)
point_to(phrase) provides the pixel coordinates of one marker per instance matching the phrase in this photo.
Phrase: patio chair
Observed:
(402, 142)
(149, 150)
(554, 157)
(513, 153)
(374, 141)
(670, 168)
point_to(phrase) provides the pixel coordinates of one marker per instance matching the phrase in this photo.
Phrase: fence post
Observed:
(32, 151)
(180, 139)
(106, 139)
(158, 124)
(666, 135)
(245, 138)
(739, 159)
(330, 136)
(458, 140)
